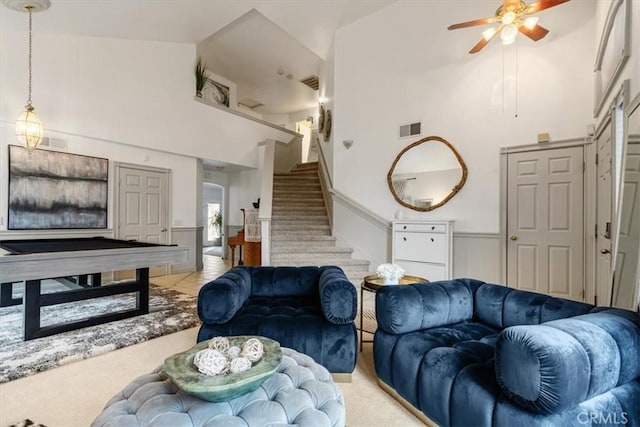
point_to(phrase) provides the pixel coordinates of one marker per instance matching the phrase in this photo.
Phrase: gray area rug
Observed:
(169, 311)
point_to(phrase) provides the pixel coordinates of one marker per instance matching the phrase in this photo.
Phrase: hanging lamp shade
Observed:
(29, 129)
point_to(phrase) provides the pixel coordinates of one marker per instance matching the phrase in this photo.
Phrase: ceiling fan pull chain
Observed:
(517, 75)
(504, 82)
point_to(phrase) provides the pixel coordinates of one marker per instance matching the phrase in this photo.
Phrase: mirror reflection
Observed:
(426, 174)
(626, 281)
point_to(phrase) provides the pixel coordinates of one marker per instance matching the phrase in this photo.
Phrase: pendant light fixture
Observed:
(29, 129)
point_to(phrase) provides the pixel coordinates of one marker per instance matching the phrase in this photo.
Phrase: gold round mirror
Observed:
(426, 174)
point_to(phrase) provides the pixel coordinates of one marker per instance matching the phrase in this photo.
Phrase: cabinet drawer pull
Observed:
(432, 239)
(404, 228)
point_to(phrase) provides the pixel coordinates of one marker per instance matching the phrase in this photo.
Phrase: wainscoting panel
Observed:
(477, 255)
(191, 238)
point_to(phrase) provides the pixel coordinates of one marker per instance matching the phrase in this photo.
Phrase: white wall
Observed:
(400, 65)
(133, 92)
(631, 69)
(244, 189)
(130, 101)
(386, 74)
(326, 96)
(183, 171)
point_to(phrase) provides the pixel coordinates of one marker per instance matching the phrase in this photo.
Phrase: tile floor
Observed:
(190, 283)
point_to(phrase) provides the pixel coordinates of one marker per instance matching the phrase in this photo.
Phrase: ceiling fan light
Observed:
(508, 18)
(489, 33)
(531, 22)
(508, 34)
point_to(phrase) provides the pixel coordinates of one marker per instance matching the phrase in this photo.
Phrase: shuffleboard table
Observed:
(33, 260)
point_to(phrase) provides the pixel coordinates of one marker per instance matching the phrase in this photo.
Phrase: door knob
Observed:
(164, 230)
(514, 237)
(605, 251)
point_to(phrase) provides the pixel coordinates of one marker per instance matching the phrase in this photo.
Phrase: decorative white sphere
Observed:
(210, 362)
(220, 343)
(233, 352)
(239, 364)
(253, 349)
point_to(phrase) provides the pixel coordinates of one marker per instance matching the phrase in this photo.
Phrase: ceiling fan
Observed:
(511, 17)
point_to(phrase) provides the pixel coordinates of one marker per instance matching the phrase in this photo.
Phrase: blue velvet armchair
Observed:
(309, 309)
(467, 353)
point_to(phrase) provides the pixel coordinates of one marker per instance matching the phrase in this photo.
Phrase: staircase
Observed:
(300, 231)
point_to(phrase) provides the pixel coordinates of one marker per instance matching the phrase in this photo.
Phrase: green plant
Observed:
(215, 221)
(201, 76)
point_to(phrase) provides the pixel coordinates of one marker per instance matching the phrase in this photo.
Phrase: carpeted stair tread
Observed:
(283, 185)
(311, 249)
(297, 194)
(301, 234)
(296, 219)
(319, 261)
(311, 238)
(302, 210)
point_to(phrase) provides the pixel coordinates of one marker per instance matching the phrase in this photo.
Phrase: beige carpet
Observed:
(73, 395)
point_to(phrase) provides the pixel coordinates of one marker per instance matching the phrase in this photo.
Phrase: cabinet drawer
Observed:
(419, 228)
(431, 272)
(424, 247)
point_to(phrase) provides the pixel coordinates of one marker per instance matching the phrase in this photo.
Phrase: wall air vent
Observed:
(312, 81)
(411, 129)
(59, 143)
(250, 103)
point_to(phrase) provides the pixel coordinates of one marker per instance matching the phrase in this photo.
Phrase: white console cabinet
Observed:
(423, 248)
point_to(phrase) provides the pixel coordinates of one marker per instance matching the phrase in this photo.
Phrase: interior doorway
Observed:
(543, 219)
(309, 149)
(142, 208)
(213, 214)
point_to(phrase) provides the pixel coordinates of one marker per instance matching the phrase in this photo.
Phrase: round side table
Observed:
(371, 284)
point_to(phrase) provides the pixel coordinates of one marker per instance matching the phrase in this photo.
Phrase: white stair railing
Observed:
(266, 200)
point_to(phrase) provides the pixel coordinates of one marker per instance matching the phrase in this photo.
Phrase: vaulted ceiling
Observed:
(268, 35)
(258, 43)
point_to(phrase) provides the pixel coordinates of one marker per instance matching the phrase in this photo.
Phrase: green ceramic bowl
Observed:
(185, 375)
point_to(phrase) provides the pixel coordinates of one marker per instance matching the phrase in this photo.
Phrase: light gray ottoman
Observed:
(300, 393)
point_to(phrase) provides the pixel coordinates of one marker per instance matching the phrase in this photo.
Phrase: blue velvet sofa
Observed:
(467, 353)
(308, 309)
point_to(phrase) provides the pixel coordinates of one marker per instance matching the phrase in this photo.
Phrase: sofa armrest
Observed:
(220, 299)
(407, 308)
(553, 366)
(338, 297)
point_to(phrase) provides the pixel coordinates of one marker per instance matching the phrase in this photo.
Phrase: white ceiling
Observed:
(265, 62)
(251, 39)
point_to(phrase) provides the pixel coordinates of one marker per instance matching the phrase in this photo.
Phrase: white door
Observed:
(627, 253)
(143, 207)
(604, 212)
(545, 222)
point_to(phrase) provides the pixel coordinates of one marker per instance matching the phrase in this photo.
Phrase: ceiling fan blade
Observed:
(474, 23)
(542, 5)
(479, 46)
(535, 34)
(483, 42)
(513, 4)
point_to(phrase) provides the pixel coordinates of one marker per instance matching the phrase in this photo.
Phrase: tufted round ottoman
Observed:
(300, 393)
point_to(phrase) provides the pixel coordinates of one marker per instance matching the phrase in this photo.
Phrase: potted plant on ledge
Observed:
(201, 76)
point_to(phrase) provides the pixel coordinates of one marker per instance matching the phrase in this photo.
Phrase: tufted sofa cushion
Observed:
(447, 348)
(310, 309)
(338, 297)
(551, 367)
(300, 393)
